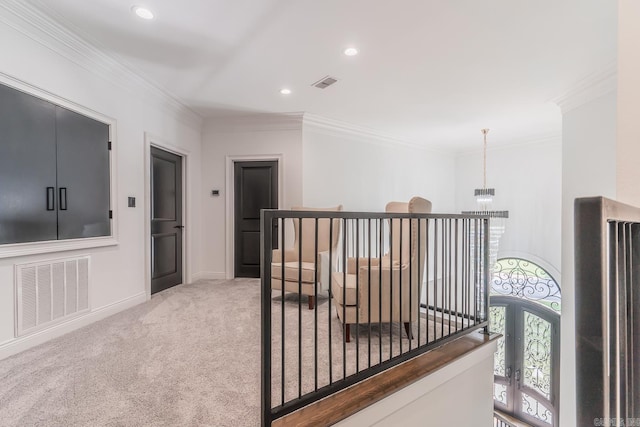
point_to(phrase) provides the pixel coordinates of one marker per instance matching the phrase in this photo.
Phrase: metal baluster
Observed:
(329, 339)
(282, 304)
(391, 287)
(299, 307)
(435, 278)
(266, 224)
(400, 284)
(315, 314)
(369, 254)
(380, 236)
(345, 327)
(444, 276)
(457, 227)
(411, 256)
(357, 246)
(449, 275)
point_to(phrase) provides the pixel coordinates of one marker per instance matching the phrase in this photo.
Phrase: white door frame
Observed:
(151, 140)
(230, 200)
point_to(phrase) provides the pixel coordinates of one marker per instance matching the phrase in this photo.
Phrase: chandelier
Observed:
(484, 199)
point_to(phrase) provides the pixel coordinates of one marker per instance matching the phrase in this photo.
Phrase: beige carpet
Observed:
(188, 357)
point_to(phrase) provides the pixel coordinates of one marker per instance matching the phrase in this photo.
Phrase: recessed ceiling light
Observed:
(285, 91)
(142, 12)
(351, 51)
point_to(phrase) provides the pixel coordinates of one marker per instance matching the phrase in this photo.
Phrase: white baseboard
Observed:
(16, 345)
(209, 275)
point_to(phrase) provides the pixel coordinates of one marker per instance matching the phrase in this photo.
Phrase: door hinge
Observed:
(109, 145)
(110, 214)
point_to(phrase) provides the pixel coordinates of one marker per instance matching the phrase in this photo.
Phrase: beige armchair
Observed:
(354, 308)
(305, 268)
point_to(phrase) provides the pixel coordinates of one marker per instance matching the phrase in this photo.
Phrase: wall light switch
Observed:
(215, 192)
(132, 202)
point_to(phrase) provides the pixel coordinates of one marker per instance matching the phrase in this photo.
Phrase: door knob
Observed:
(179, 226)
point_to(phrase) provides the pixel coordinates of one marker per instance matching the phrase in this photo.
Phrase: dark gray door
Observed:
(83, 176)
(27, 168)
(255, 188)
(166, 220)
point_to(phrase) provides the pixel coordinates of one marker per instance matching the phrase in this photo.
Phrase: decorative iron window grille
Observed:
(524, 279)
(525, 304)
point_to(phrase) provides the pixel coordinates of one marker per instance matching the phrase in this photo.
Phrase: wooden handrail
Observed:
(347, 402)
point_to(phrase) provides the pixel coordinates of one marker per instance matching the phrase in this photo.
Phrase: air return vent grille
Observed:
(49, 292)
(325, 82)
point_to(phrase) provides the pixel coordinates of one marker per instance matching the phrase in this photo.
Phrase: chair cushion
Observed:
(337, 289)
(291, 269)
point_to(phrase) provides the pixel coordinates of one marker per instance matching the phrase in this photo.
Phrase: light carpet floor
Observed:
(188, 357)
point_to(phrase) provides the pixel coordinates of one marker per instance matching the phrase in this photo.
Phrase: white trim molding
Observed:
(230, 201)
(43, 25)
(332, 127)
(257, 122)
(588, 89)
(16, 345)
(210, 275)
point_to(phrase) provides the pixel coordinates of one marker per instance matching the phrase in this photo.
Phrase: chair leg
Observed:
(407, 328)
(347, 332)
(312, 302)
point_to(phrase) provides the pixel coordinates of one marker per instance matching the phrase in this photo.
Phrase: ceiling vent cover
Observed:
(325, 82)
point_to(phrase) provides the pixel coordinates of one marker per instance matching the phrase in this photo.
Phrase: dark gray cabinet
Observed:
(54, 171)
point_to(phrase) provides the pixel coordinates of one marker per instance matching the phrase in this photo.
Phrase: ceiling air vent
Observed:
(325, 82)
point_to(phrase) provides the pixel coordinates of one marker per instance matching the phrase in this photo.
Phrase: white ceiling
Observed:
(430, 72)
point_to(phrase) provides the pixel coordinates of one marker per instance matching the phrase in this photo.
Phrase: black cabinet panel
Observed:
(28, 210)
(82, 175)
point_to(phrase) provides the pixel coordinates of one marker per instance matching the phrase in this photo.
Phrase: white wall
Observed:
(244, 137)
(628, 151)
(528, 182)
(364, 173)
(588, 169)
(459, 394)
(82, 76)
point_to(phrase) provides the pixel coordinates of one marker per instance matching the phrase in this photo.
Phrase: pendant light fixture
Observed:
(484, 199)
(484, 196)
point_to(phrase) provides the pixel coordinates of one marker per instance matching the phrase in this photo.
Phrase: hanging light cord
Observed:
(484, 159)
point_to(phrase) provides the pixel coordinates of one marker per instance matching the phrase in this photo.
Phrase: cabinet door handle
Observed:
(51, 199)
(63, 198)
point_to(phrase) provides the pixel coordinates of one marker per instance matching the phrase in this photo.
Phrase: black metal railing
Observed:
(381, 288)
(607, 301)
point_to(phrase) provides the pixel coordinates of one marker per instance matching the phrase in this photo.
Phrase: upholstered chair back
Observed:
(404, 240)
(309, 233)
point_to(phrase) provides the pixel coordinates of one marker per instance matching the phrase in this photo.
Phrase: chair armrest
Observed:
(353, 263)
(289, 255)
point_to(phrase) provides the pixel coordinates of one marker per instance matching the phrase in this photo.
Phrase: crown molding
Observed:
(588, 89)
(35, 23)
(338, 128)
(256, 122)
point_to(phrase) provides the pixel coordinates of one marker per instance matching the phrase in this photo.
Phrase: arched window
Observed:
(525, 308)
